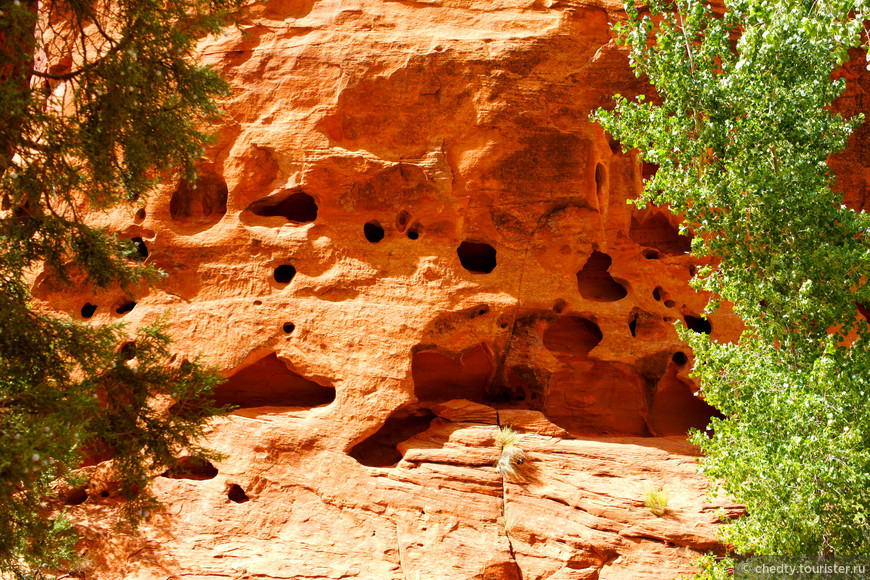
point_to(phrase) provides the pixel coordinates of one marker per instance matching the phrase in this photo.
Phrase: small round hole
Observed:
(670, 303)
(77, 496)
(237, 494)
(104, 493)
(88, 310)
(373, 232)
(140, 215)
(680, 358)
(559, 306)
(258, 302)
(413, 234)
(141, 248)
(289, 327)
(284, 274)
(125, 307)
(651, 255)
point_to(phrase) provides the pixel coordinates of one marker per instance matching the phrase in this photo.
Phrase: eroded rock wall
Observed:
(408, 234)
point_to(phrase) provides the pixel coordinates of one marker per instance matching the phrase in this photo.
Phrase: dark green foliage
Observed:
(741, 128)
(80, 131)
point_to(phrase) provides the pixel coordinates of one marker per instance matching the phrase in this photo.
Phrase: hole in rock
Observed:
(289, 327)
(258, 302)
(125, 307)
(572, 335)
(692, 271)
(88, 310)
(864, 311)
(203, 202)
(476, 257)
(676, 409)
(379, 450)
(77, 496)
(237, 494)
(414, 232)
(438, 377)
(479, 311)
(140, 215)
(597, 398)
(559, 306)
(191, 468)
(654, 229)
(595, 282)
(104, 494)
(298, 207)
(269, 382)
(373, 232)
(128, 350)
(141, 248)
(632, 322)
(615, 146)
(600, 177)
(402, 220)
(698, 324)
(657, 293)
(651, 255)
(648, 170)
(680, 358)
(284, 273)
(670, 304)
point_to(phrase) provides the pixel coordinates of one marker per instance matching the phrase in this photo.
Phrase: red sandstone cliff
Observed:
(408, 234)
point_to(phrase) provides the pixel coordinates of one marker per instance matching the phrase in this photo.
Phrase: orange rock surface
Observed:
(409, 234)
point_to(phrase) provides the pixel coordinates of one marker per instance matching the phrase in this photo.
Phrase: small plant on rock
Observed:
(656, 500)
(512, 455)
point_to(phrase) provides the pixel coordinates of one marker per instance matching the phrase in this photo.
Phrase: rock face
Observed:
(407, 235)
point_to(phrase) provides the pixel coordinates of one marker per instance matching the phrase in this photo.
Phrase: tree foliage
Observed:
(99, 99)
(740, 125)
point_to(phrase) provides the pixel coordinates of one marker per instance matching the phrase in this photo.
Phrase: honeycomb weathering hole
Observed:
(236, 494)
(477, 257)
(140, 246)
(698, 324)
(676, 409)
(284, 274)
(269, 382)
(191, 468)
(77, 496)
(572, 335)
(88, 310)
(203, 202)
(298, 207)
(595, 282)
(379, 450)
(653, 229)
(373, 232)
(125, 307)
(438, 377)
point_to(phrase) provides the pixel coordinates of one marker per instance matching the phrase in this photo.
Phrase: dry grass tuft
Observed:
(656, 500)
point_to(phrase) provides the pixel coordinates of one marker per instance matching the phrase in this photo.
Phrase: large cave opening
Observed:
(439, 377)
(380, 449)
(297, 207)
(269, 382)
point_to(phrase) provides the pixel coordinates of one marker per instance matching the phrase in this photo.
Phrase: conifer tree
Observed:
(99, 99)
